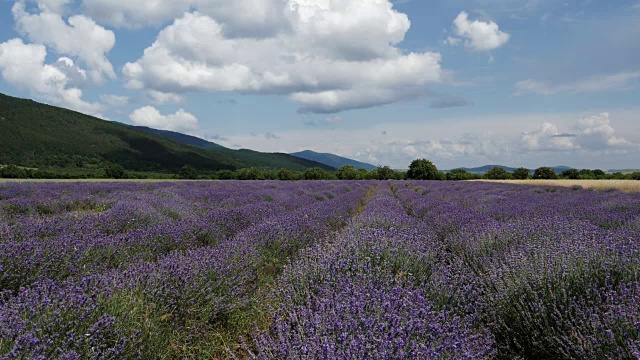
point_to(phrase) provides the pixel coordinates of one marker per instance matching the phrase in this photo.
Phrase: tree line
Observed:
(547, 173)
(420, 169)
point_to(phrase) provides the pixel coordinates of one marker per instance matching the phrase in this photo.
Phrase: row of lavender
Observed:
(148, 270)
(466, 271)
(364, 295)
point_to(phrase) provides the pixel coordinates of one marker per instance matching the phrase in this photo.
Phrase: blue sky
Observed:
(461, 82)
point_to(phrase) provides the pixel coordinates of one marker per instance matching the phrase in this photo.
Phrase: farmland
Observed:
(327, 269)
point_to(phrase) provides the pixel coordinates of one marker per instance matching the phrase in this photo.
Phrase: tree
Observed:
(187, 173)
(458, 175)
(362, 174)
(635, 176)
(372, 175)
(270, 175)
(572, 174)
(423, 169)
(286, 175)
(252, 173)
(600, 174)
(399, 175)
(225, 175)
(347, 172)
(586, 174)
(497, 173)
(114, 171)
(544, 173)
(385, 173)
(618, 176)
(315, 173)
(521, 174)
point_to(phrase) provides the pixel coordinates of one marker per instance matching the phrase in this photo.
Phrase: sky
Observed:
(460, 82)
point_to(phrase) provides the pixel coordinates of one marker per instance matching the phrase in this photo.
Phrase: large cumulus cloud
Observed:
(327, 55)
(79, 36)
(24, 65)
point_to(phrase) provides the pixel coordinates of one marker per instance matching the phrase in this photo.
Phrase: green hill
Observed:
(42, 136)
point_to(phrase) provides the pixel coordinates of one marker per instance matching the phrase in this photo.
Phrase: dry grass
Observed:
(623, 185)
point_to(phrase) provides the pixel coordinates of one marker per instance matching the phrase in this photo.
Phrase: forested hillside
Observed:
(41, 136)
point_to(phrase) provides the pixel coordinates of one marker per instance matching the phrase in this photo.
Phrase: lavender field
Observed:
(318, 270)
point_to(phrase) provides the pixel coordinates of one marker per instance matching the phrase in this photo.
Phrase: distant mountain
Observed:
(42, 136)
(486, 168)
(332, 160)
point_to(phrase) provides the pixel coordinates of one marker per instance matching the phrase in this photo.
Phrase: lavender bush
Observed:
(318, 270)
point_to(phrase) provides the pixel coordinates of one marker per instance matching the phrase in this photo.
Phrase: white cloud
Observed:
(453, 41)
(590, 134)
(24, 65)
(596, 133)
(478, 35)
(329, 121)
(151, 117)
(160, 97)
(619, 81)
(134, 14)
(514, 140)
(115, 100)
(53, 6)
(547, 137)
(81, 37)
(216, 137)
(329, 57)
(76, 77)
(268, 17)
(332, 101)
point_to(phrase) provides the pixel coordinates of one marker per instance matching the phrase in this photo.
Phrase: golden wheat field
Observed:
(623, 185)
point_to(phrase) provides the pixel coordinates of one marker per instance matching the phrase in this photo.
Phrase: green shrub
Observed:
(545, 173)
(572, 174)
(188, 173)
(521, 174)
(115, 171)
(459, 175)
(423, 169)
(498, 173)
(13, 172)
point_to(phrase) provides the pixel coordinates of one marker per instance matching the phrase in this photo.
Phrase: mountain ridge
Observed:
(333, 160)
